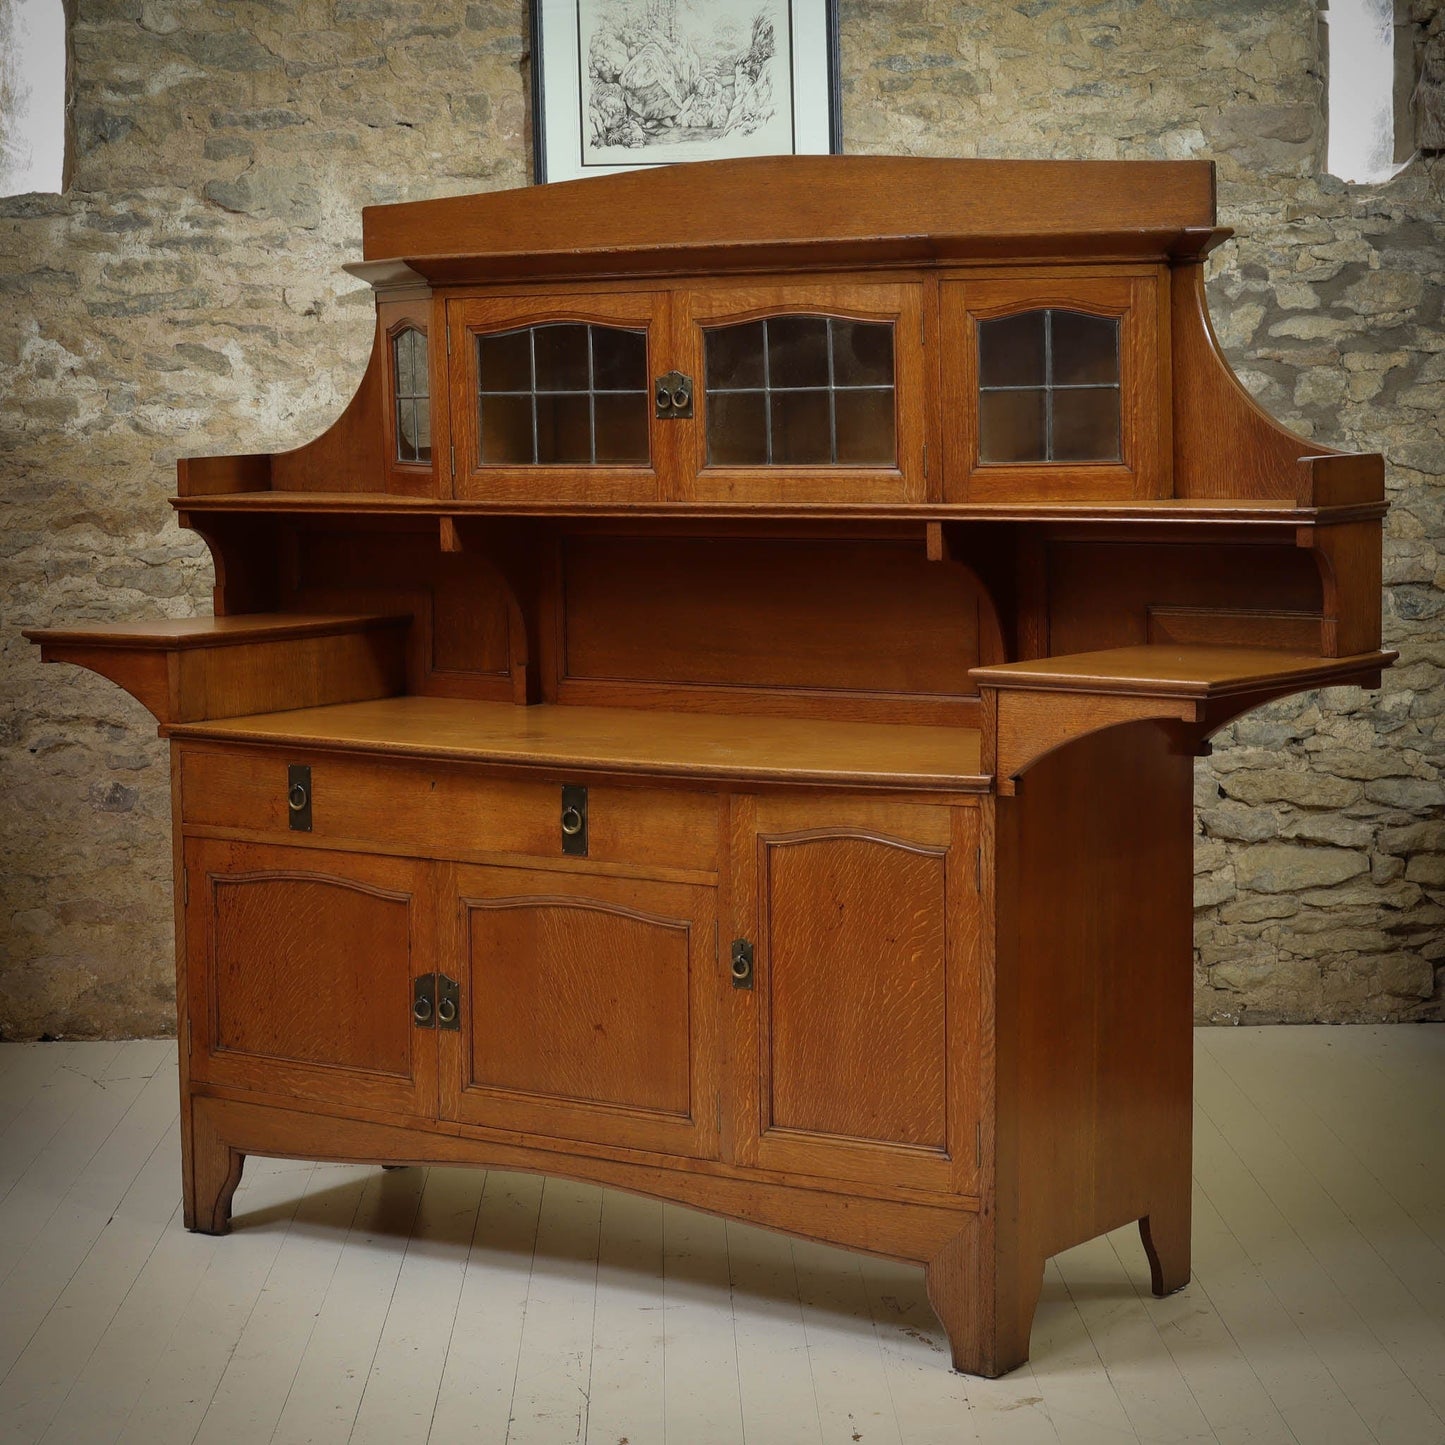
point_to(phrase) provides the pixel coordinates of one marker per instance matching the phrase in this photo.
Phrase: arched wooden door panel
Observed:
(588, 1008)
(301, 974)
(865, 923)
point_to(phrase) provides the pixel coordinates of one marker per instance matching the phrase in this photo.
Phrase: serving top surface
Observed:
(623, 740)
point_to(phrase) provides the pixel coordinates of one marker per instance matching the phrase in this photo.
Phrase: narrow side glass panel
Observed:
(412, 395)
(565, 393)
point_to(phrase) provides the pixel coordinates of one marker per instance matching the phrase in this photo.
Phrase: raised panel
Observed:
(583, 1001)
(300, 973)
(842, 627)
(866, 1017)
(312, 969)
(588, 1009)
(855, 979)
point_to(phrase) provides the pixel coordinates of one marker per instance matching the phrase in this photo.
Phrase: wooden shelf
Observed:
(191, 668)
(619, 740)
(179, 634)
(1042, 705)
(1200, 673)
(1229, 511)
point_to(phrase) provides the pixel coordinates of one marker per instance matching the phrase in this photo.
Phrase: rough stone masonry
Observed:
(185, 296)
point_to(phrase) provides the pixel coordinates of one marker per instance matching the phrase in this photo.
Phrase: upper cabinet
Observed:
(1053, 388)
(812, 332)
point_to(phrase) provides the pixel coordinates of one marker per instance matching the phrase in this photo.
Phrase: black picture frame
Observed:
(825, 10)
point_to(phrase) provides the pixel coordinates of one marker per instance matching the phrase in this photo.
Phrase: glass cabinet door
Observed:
(805, 393)
(1052, 389)
(552, 397)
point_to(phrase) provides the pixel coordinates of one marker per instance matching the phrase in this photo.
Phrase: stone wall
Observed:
(185, 297)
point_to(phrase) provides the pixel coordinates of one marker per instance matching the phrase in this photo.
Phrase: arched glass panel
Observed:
(410, 369)
(563, 392)
(1048, 388)
(801, 391)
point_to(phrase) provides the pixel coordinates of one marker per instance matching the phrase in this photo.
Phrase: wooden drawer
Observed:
(443, 812)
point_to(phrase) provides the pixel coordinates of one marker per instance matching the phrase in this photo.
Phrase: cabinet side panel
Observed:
(1094, 1030)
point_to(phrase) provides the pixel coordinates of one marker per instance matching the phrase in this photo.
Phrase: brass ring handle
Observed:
(296, 798)
(742, 966)
(680, 397)
(421, 1010)
(446, 1010)
(571, 822)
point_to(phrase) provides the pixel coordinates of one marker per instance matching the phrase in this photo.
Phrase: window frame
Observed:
(1133, 297)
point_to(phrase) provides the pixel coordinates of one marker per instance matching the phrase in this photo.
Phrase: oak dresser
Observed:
(715, 716)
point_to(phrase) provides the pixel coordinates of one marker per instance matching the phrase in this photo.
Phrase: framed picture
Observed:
(621, 84)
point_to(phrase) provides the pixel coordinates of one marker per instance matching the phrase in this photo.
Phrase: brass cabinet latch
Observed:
(423, 1001)
(448, 1003)
(674, 395)
(574, 821)
(436, 1002)
(298, 797)
(742, 963)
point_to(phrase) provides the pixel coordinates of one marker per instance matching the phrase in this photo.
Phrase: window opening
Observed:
(32, 97)
(411, 370)
(563, 392)
(1048, 388)
(801, 390)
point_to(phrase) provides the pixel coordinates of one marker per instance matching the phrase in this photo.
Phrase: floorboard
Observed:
(449, 1305)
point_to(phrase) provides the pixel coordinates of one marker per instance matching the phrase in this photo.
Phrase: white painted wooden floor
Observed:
(452, 1305)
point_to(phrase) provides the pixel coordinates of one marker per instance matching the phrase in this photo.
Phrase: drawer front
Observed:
(441, 812)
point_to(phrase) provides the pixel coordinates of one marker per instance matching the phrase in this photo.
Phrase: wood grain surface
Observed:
(796, 199)
(625, 741)
(589, 1009)
(1161, 670)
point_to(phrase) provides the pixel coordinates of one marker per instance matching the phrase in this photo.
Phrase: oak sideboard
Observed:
(716, 715)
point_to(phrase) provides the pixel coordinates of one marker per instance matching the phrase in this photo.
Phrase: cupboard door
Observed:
(588, 1009)
(552, 397)
(864, 1012)
(805, 393)
(300, 974)
(1054, 388)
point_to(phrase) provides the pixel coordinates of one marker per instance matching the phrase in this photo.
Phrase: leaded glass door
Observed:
(552, 397)
(806, 393)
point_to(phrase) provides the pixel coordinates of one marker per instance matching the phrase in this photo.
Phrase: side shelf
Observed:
(193, 669)
(1040, 705)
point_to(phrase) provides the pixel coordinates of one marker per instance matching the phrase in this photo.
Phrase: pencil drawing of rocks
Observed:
(662, 72)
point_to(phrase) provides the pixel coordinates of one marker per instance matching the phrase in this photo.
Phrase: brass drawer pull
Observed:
(742, 963)
(298, 797)
(574, 821)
